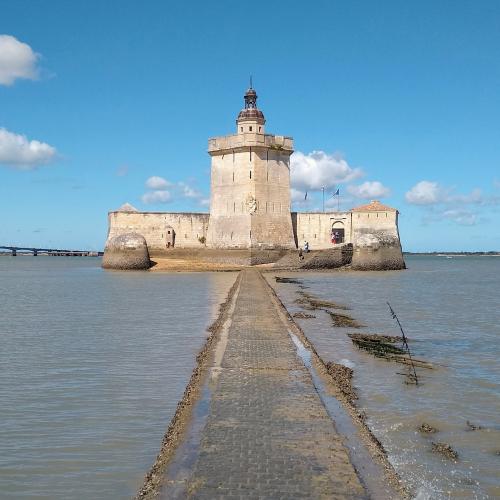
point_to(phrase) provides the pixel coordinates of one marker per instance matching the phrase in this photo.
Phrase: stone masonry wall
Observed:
(189, 228)
(316, 228)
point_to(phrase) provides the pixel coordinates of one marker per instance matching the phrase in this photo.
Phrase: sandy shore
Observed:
(191, 265)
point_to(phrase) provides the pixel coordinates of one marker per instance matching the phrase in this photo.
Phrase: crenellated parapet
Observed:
(245, 140)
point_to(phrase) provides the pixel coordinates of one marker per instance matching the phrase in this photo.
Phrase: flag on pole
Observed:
(337, 192)
(305, 196)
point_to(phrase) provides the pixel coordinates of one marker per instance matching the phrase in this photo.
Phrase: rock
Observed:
(425, 428)
(377, 251)
(446, 450)
(126, 251)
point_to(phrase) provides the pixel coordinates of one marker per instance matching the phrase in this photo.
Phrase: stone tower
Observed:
(250, 185)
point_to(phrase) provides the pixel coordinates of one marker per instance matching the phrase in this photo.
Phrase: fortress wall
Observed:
(376, 241)
(316, 227)
(365, 222)
(188, 228)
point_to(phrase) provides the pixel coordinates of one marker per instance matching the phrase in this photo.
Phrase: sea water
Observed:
(450, 309)
(92, 366)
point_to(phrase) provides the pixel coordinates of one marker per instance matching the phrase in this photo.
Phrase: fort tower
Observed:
(250, 185)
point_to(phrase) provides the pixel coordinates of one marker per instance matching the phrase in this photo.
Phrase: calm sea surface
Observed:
(450, 308)
(92, 366)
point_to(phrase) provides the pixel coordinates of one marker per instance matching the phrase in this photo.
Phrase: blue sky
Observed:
(392, 100)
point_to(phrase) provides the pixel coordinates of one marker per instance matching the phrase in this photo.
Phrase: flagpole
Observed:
(323, 189)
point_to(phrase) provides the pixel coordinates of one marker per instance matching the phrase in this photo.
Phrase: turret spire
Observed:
(251, 112)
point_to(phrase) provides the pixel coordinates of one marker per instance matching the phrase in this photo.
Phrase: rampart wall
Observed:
(189, 228)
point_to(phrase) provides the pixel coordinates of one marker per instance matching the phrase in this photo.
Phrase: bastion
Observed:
(250, 220)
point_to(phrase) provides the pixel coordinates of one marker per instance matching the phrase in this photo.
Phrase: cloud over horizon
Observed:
(443, 203)
(18, 151)
(318, 169)
(17, 61)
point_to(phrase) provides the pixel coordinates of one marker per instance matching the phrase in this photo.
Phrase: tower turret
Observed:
(250, 119)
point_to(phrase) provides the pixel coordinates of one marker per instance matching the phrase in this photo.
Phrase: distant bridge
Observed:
(52, 251)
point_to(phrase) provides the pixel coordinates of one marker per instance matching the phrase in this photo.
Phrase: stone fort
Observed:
(250, 219)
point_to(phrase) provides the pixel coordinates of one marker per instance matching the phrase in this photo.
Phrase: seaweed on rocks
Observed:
(343, 378)
(302, 315)
(426, 429)
(378, 345)
(446, 450)
(318, 303)
(473, 427)
(343, 320)
(280, 279)
(382, 346)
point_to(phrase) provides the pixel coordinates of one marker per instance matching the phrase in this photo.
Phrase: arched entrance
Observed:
(337, 234)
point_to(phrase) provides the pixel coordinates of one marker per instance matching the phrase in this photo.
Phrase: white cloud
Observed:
(319, 169)
(19, 152)
(205, 202)
(17, 60)
(424, 193)
(369, 190)
(431, 193)
(158, 196)
(189, 192)
(462, 217)
(156, 182)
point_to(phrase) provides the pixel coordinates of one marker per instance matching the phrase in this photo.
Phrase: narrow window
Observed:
(233, 176)
(273, 206)
(267, 175)
(260, 128)
(250, 174)
(241, 129)
(250, 129)
(234, 206)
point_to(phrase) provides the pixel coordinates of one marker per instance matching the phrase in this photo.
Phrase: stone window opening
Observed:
(233, 176)
(234, 207)
(260, 128)
(241, 129)
(250, 174)
(250, 128)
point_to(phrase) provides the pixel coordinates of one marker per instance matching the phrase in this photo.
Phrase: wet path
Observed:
(267, 434)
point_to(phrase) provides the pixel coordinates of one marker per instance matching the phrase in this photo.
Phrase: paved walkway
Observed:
(268, 434)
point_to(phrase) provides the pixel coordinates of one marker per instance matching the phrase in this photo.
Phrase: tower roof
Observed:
(250, 112)
(373, 206)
